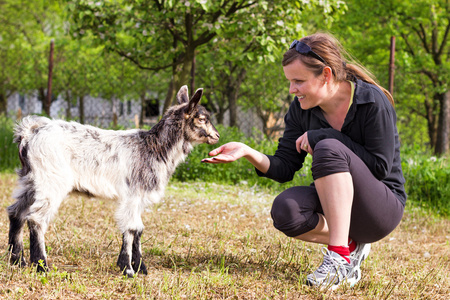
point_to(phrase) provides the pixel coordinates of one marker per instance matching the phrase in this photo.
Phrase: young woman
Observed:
(347, 122)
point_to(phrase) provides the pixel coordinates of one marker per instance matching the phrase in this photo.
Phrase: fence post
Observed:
(392, 66)
(48, 101)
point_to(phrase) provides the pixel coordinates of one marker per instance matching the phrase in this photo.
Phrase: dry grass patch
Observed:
(207, 241)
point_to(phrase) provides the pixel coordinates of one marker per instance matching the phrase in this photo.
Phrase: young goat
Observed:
(132, 166)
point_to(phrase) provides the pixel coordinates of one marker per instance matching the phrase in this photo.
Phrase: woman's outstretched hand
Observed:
(226, 153)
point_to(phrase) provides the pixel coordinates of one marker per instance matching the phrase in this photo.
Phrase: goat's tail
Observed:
(29, 126)
(23, 132)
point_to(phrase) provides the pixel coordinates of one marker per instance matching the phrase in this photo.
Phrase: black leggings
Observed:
(375, 211)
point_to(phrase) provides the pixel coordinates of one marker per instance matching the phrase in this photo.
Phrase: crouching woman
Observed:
(347, 122)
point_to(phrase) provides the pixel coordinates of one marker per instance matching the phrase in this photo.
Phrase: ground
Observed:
(209, 241)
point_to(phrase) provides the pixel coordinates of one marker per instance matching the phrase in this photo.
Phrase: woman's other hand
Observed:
(302, 144)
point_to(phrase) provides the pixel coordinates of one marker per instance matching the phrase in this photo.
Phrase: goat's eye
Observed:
(202, 120)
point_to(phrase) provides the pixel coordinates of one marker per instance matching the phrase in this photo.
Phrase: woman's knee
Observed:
(329, 157)
(328, 144)
(294, 214)
(282, 210)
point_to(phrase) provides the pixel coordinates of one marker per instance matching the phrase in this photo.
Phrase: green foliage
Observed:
(427, 177)
(238, 172)
(422, 69)
(9, 159)
(26, 28)
(427, 180)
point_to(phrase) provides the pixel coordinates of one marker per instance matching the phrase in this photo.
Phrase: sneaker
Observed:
(357, 257)
(333, 272)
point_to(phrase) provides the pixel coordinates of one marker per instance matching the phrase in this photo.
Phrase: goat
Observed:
(131, 166)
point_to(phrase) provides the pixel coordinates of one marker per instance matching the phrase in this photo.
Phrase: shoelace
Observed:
(329, 263)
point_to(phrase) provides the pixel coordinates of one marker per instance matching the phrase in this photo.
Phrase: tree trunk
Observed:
(143, 107)
(443, 132)
(45, 104)
(169, 94)
(185, 73)
(69, 105)
(114, 116)
(220, 116)
(3, 104)
(179, 78)
(81, 109)
(192, 83)
(431, 124)
(232, 95)
(232, 100)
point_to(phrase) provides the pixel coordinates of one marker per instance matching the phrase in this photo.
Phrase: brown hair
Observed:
(344, 67)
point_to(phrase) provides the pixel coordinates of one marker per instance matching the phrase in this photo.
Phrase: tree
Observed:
(225, 68)
(425, 33)
(422, 58)
(168, 35)
(155, 35)
(28, 30)
(10, 53)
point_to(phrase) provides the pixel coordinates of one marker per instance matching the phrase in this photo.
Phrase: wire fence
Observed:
(115, 113)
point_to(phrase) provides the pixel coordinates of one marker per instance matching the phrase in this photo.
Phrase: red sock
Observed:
(342, 251)
(351, 245)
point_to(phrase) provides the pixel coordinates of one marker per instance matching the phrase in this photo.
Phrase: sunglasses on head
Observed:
(304, 49)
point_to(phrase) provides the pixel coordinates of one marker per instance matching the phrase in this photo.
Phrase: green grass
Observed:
(214, 241)
(9, 159)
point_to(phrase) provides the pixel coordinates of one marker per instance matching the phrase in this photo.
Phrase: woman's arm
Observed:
(233, 151)
(280, 167)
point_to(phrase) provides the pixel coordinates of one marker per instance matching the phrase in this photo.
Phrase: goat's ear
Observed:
(194, 101)
(182, 95)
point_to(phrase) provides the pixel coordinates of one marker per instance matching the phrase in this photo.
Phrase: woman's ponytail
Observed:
(343, 65)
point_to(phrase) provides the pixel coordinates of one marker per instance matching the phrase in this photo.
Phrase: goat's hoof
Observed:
(141, 268)
(143, 271)
(18, 262)
(128, 273)
(41, 267)
(17, 259)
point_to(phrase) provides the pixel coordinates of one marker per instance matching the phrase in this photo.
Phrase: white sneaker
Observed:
(333, 272)
(357, 257)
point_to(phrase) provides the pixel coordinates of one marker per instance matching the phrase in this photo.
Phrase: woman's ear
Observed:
(327, 74)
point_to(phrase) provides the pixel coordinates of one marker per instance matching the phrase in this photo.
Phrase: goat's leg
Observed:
(125, 256)
(15, 240)
(38, 256)
(136, 260)
(41, 212)
(16, 212)
(130, 223)
(130, 257)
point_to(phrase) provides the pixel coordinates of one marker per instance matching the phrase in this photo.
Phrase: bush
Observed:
(240, 171)
(9, 160)
(427, 177)
(427, 180)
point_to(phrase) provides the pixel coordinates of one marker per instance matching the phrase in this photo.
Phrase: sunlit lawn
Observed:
(207, 241)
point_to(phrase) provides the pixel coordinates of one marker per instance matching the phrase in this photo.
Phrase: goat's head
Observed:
(199, 128)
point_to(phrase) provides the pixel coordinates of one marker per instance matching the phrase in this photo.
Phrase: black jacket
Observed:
(369, 130)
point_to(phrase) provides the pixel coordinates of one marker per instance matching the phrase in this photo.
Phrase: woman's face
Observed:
(309, 88)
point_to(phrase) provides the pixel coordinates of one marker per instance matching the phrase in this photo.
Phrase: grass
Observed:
(208, 241)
